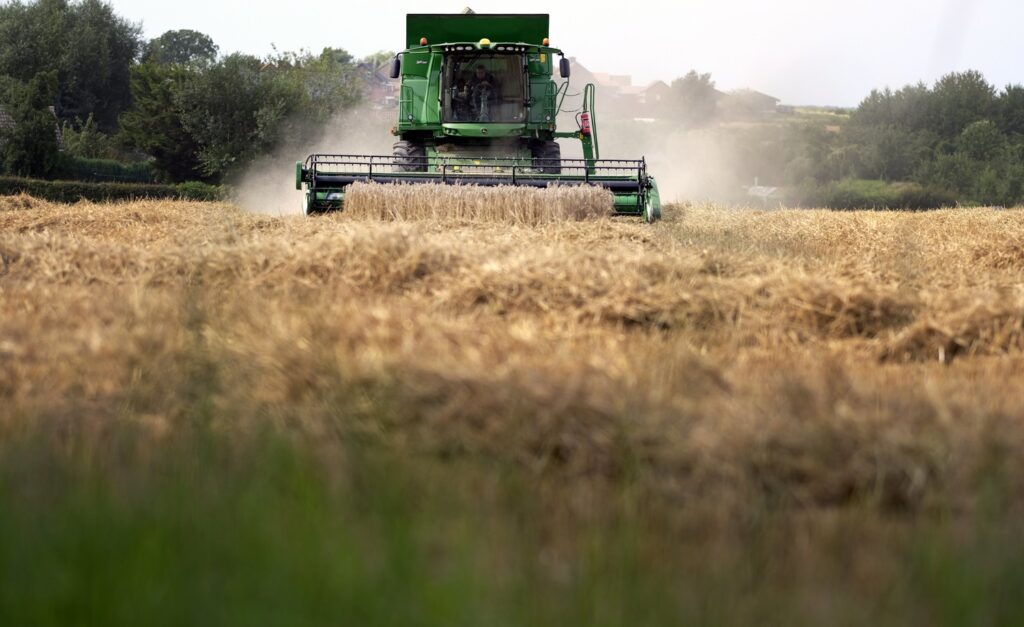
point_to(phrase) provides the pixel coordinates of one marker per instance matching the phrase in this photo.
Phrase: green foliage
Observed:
(235, 111)
(197, 190)
(155, 124)
(982, 141)
(195, 116)
(378, 58)
(242, 107)
(29, 146)
(891, 153)
(695, 98)
(181, 47)
(85, 140)
(90, 155)
(193, 527)
(907, 108)
(89, 47)
(958, 100)
(983, 167)
(959, 135)
(867, 194)
(324, 83)
(73, 191)
(1009, 111)
(100, 170)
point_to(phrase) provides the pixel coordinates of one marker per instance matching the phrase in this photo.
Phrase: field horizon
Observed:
(728, 417)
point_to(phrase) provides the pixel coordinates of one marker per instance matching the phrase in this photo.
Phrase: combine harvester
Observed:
(478, 106)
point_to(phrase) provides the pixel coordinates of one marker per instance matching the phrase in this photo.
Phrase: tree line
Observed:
(174, 101)
(176, 107)
(961, 138)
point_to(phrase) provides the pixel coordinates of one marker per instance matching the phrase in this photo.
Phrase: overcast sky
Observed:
(802, 51)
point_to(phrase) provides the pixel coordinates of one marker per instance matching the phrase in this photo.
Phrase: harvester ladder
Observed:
(405, 103)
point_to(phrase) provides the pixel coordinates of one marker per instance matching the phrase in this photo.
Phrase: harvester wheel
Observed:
(547, 157)
(410, 157)
(652, 208)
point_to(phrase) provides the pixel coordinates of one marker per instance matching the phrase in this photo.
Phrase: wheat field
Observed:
(854, 378)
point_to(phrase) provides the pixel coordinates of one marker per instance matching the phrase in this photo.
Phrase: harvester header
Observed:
(479, 105)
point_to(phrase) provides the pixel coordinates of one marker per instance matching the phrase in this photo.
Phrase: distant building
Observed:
(748, 104)
(651, 94)
(381, 89)
(614, 81)
(622, 97)
(619, 97)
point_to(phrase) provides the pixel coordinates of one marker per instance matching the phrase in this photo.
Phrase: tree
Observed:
(907, 108)
(84, 139)
(86, 43)
(1010, 110)
(378, 58)
(982, 141)
(181, 47)
(235, 111)
(327, 83)
(154, 125)
(29, 146)
(958, 100)
(889, 152)
(695, 97)
(242, 106)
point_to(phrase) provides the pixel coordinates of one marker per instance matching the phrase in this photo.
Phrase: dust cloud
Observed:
(689, 164)
(268, 185)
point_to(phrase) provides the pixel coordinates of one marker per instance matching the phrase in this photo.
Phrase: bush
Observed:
(868, 194)
(73, 191)
(195, 190)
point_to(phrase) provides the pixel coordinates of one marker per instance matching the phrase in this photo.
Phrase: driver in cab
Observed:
(480, 90)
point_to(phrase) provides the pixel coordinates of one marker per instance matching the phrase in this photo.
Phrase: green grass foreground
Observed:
(274, 531)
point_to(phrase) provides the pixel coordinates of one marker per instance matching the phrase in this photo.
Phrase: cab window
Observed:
(483, 87)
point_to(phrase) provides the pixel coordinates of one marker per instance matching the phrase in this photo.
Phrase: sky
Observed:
(820, 52)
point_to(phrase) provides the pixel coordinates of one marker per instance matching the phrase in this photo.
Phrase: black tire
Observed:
(543, 154)
(410, 157)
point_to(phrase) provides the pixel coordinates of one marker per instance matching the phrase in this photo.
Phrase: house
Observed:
(613, 81)
(618, 95)
(580, 74)
(381, 89)
(747, 104)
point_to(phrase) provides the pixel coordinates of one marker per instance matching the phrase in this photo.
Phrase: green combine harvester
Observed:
(478, 106)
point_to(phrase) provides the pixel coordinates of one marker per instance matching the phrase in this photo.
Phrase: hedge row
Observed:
(867, 194)
(106, 171)
(73, 191)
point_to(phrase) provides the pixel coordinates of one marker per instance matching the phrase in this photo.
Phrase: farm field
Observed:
(730, 417)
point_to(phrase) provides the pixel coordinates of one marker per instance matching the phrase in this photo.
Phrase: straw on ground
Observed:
(825, 357)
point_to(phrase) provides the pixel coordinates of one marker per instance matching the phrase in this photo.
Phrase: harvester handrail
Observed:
(331, 168)
(334, 170)
(366, 160)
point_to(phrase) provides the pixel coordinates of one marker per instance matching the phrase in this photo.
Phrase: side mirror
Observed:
(563, 67)
(396, 67)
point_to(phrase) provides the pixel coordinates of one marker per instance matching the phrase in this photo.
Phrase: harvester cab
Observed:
(478, 105)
